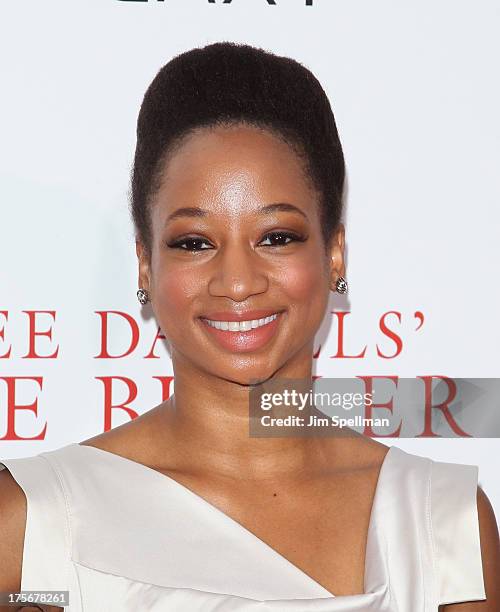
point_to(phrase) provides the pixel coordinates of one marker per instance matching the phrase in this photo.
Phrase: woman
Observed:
(237, 199)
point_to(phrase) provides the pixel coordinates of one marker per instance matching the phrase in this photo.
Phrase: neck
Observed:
(208, 422)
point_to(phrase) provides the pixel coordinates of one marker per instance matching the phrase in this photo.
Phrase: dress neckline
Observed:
(200, 499)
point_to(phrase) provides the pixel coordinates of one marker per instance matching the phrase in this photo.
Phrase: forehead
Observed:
(232, 169)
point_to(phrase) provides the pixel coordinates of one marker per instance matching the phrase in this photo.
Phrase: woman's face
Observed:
(237, 237)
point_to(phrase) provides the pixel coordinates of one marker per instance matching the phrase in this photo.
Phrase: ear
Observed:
(144, 265)
(336, 255)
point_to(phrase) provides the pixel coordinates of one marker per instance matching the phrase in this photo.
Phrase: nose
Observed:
(238, 273)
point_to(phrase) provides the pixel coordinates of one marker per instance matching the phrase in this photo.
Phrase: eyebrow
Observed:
(194, 211)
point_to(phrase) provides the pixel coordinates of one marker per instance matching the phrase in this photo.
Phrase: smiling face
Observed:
(236, 236)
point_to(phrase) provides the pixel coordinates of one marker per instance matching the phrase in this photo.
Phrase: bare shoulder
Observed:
(368, 457)
(13, 512)
(357, 452)
(487, 519)
(490, 554)
(137, 439)
(374, 451)
(12, 528)
(490, 549)
(352, 465)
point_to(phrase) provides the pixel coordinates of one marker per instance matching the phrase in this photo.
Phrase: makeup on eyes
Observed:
(282, 238)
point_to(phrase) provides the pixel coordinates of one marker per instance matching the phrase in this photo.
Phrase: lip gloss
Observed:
(243, 341)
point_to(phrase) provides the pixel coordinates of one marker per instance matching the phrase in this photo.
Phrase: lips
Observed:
(244, 315)
(240, 326)
(244, 331)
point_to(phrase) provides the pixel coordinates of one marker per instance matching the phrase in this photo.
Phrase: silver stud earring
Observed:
(143, 296)
(341, 285)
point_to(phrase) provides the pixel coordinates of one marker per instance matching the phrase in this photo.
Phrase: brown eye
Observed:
(281, 238)
(274, 239)
(190, 244)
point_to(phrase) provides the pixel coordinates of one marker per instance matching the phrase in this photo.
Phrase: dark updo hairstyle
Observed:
(226, 83)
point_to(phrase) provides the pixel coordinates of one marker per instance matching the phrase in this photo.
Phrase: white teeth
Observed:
(239, 326)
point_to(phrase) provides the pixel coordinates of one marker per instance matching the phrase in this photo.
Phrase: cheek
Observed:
(305, 283)
(175, 292)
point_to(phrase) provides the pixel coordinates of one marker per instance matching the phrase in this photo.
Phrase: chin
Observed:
(247, 374)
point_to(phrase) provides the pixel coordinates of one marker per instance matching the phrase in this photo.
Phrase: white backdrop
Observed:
(415, 93)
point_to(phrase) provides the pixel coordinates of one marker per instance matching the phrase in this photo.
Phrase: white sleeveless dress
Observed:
(122, 537)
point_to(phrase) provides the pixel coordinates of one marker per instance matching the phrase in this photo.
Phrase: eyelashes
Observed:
(195, 244)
